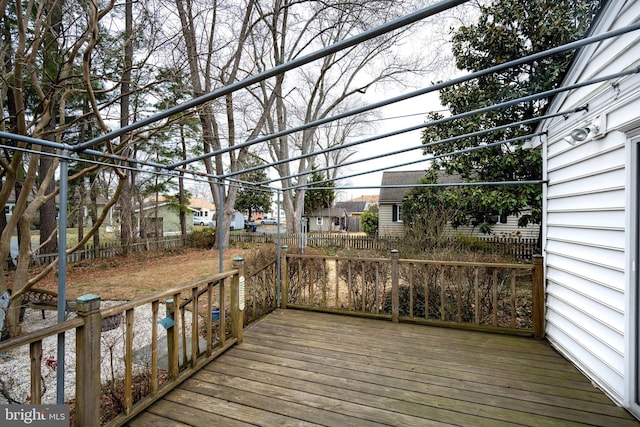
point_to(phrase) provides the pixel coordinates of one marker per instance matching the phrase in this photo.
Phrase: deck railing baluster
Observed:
(494, 297)
(35, 354)
(458, 279)
(442, 293)
(155, 305)
(426, 291)
(476, 291)
(195, 348)
(337, 284)
(395, 285)
(513, 297)
(128, 362)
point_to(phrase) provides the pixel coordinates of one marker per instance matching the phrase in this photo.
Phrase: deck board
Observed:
(301, 368)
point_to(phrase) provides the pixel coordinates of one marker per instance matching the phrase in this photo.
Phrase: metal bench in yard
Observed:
(43, 299)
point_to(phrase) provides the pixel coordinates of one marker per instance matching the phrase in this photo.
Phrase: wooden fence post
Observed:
(88, 361)
(284, 278)
(237, 299)
(395, 292)
(537, 279)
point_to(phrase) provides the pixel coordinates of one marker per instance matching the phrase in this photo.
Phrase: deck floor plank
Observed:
(301, 368)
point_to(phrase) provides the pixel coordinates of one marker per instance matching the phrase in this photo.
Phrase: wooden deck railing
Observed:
(197, 325)
(261, 291)
(154, 343)
(500, 297)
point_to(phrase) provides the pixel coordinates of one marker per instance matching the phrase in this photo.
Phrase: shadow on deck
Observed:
(303, 368)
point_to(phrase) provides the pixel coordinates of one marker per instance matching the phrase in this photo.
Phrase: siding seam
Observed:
(586, 193)
(604, 266)
(559, 298)
(573, 338)
(588, 279)
(583, 159)
(589, 245)
(585, 227)
(586, 175)
(583, 367)
(573, 210)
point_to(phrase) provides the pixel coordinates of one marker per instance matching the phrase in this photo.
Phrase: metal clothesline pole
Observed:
(62, 272)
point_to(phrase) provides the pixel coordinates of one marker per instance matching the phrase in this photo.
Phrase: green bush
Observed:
(204, 237)
(369, 221)
(472, 243)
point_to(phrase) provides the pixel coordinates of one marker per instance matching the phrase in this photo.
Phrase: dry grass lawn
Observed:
(126, 278)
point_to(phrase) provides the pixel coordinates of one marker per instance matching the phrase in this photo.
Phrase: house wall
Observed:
(170, 220)
(386, 225)
(509, 229)
(585, 214)
(314, 226)
(327, 225)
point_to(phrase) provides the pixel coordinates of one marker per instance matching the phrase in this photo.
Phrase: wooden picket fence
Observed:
(111, 249)
(516, 247)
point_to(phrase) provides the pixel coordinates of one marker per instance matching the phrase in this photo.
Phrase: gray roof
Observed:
(351, 207)
(390, 178)
(329, 212)
(388, 194)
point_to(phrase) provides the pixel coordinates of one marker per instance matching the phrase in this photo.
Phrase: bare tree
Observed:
(320, 89)
(53, 99)
(215, 60)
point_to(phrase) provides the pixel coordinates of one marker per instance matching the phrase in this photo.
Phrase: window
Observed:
(397, 213)
(319, 220)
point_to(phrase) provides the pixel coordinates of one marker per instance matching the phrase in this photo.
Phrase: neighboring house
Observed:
(162, 219)
(198, 207)
(390, 222)
(203, 208)
(390, 200)
(591, 225)
(369, 199)
(256, 215)
(328, 220)
(354, 209)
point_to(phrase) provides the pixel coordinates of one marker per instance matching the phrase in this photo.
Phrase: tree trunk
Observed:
(126, 201)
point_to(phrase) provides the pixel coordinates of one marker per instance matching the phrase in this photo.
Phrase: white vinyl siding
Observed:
(585, 212)
(585, 258)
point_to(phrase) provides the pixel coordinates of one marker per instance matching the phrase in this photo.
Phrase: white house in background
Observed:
(390, 222)
(202, 208)
(591, 207)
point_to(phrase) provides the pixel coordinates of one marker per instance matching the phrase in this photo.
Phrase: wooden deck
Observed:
(302, 368)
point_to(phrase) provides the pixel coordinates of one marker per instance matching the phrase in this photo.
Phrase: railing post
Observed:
(172, 339)
(395, 292)
(88, 361)
(237, 299)
(537, 282)
(284, 278)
